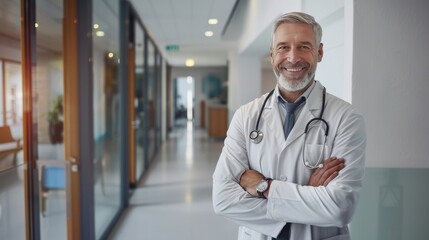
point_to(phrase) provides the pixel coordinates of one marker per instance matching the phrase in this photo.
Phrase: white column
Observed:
(244, 80)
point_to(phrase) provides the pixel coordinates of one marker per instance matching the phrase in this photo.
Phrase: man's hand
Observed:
(249, 179)
(322, 176)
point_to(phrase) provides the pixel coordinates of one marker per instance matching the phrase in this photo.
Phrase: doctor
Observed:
(300, 185)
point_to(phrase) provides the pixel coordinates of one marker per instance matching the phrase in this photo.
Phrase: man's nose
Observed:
(292, 56)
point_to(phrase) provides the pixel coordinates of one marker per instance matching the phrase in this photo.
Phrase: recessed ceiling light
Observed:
(36, 25)
(212, 21)
(99, 33)
(208, 33)
(96, 26)
(190, 62)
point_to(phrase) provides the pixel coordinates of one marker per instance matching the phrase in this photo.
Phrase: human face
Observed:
(294, 55)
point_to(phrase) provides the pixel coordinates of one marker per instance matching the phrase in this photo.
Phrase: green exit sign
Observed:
(172, 48)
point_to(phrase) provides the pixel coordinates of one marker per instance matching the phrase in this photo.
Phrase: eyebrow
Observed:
(301, 43)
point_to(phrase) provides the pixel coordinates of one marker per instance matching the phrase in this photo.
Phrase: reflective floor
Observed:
(174, 201)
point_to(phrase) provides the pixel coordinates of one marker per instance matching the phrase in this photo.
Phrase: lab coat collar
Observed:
(310, 110)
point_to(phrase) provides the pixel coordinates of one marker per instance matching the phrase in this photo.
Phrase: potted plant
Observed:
(55, 115)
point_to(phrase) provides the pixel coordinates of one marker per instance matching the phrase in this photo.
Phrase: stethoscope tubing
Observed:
(256, 135)
(262, 109)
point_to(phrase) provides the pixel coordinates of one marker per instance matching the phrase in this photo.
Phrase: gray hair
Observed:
(298, 17)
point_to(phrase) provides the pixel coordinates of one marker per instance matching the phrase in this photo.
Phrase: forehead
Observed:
(294, 32)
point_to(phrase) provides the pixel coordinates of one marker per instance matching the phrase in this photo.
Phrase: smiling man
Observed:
(293, 161)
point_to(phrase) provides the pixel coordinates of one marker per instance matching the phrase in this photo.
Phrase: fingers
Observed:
(330, 178)
(323, 176)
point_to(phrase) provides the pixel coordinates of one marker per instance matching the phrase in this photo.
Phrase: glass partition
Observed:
(12, 199)
(107, 167)
(139, 100)
(159, 100)
(151, 98)
(48, 86)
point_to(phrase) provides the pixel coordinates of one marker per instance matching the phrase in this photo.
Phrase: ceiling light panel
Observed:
(213, 21)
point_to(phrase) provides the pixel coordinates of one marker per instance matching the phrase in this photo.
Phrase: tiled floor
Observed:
(174, 202)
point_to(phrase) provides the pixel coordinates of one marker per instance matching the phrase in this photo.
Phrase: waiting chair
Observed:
(8, 144)
(52, 178)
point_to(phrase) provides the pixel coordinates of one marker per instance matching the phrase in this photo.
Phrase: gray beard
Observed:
(293, 87)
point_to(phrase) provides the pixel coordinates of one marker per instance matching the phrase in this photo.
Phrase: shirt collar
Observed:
(305, 94)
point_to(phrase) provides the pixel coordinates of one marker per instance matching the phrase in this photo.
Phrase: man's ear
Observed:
(320, 53)
(271, 56)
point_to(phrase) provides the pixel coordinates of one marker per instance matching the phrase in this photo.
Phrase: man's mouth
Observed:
(294, 69)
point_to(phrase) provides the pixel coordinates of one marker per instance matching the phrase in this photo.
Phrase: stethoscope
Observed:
(257, 135)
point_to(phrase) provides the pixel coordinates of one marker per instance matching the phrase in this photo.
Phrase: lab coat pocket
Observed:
(314, 154)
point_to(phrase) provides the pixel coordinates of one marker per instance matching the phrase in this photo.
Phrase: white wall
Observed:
(244, 80)
(330, 71)
(269, 80)
(259, 17)
(391, 80)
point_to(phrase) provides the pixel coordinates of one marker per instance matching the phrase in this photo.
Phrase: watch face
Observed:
(262, 185)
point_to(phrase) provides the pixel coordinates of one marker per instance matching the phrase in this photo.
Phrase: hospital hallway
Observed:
(174, 200)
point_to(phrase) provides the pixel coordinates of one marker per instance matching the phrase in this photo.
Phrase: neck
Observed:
(291, 96)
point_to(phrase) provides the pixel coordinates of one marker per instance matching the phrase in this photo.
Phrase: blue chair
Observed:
(52, 178)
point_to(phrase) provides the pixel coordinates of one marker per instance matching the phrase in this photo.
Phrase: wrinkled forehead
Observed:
(293, 32)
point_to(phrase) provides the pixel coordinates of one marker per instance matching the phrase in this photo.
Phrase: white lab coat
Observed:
(315, 212)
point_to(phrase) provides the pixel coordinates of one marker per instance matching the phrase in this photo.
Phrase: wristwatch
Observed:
(262, 186)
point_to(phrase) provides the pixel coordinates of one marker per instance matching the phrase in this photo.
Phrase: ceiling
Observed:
(169, 22)
(183, 23)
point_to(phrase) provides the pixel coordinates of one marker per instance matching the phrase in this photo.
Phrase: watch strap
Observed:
(261, 194)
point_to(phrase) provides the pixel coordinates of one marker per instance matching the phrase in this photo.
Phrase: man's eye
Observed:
(282, 48)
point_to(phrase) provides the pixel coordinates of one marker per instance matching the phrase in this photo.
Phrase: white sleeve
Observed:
(334, 204)
(229, 198)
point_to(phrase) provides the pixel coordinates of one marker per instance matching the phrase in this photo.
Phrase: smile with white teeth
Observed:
(294, 69)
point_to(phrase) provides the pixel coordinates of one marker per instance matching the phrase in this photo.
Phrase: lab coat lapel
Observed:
(311, 110)
(274, 124)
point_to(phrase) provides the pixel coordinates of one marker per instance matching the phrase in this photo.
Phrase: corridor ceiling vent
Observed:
(190, 62)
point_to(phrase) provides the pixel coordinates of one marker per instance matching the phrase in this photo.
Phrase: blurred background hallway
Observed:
(174, 201)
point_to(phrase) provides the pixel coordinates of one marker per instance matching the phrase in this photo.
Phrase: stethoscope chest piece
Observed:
(256, 136)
